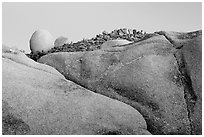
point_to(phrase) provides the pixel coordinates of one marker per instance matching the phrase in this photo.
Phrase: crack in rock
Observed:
(189, 94)
(168, 38)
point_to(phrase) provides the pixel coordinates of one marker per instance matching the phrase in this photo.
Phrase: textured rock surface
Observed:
(41, 41)
(190, 53)
(37, 99)
(147, 75)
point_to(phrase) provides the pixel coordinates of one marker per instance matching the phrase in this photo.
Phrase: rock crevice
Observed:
(189, 93)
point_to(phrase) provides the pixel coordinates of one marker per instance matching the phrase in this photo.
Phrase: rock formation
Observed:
(96, 42)
(160, 76)
(41, 41)
(37, 99)
(189, 58)
(143, 84)
(111, 44)
(60, 41)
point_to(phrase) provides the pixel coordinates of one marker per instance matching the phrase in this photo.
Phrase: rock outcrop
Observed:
(41, 41)
(189, 58)
(152, 75)
(37, 99)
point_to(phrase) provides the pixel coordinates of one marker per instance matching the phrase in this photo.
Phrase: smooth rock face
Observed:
(37, 99)
(41, 41)
(145, 75)
(114, 43)
(60, 41)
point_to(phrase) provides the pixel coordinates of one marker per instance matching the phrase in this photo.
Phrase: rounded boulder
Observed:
(114, 44)
(60, 41)
(41, 41)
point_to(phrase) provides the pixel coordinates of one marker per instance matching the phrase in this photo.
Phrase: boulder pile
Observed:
(95, 43)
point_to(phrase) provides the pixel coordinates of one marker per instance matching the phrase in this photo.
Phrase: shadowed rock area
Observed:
(160, 76)
(37, 99)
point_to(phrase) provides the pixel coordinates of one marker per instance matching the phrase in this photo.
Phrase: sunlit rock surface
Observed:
(156, 76)
(41, 41)
(60, 41)
(37, 99)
